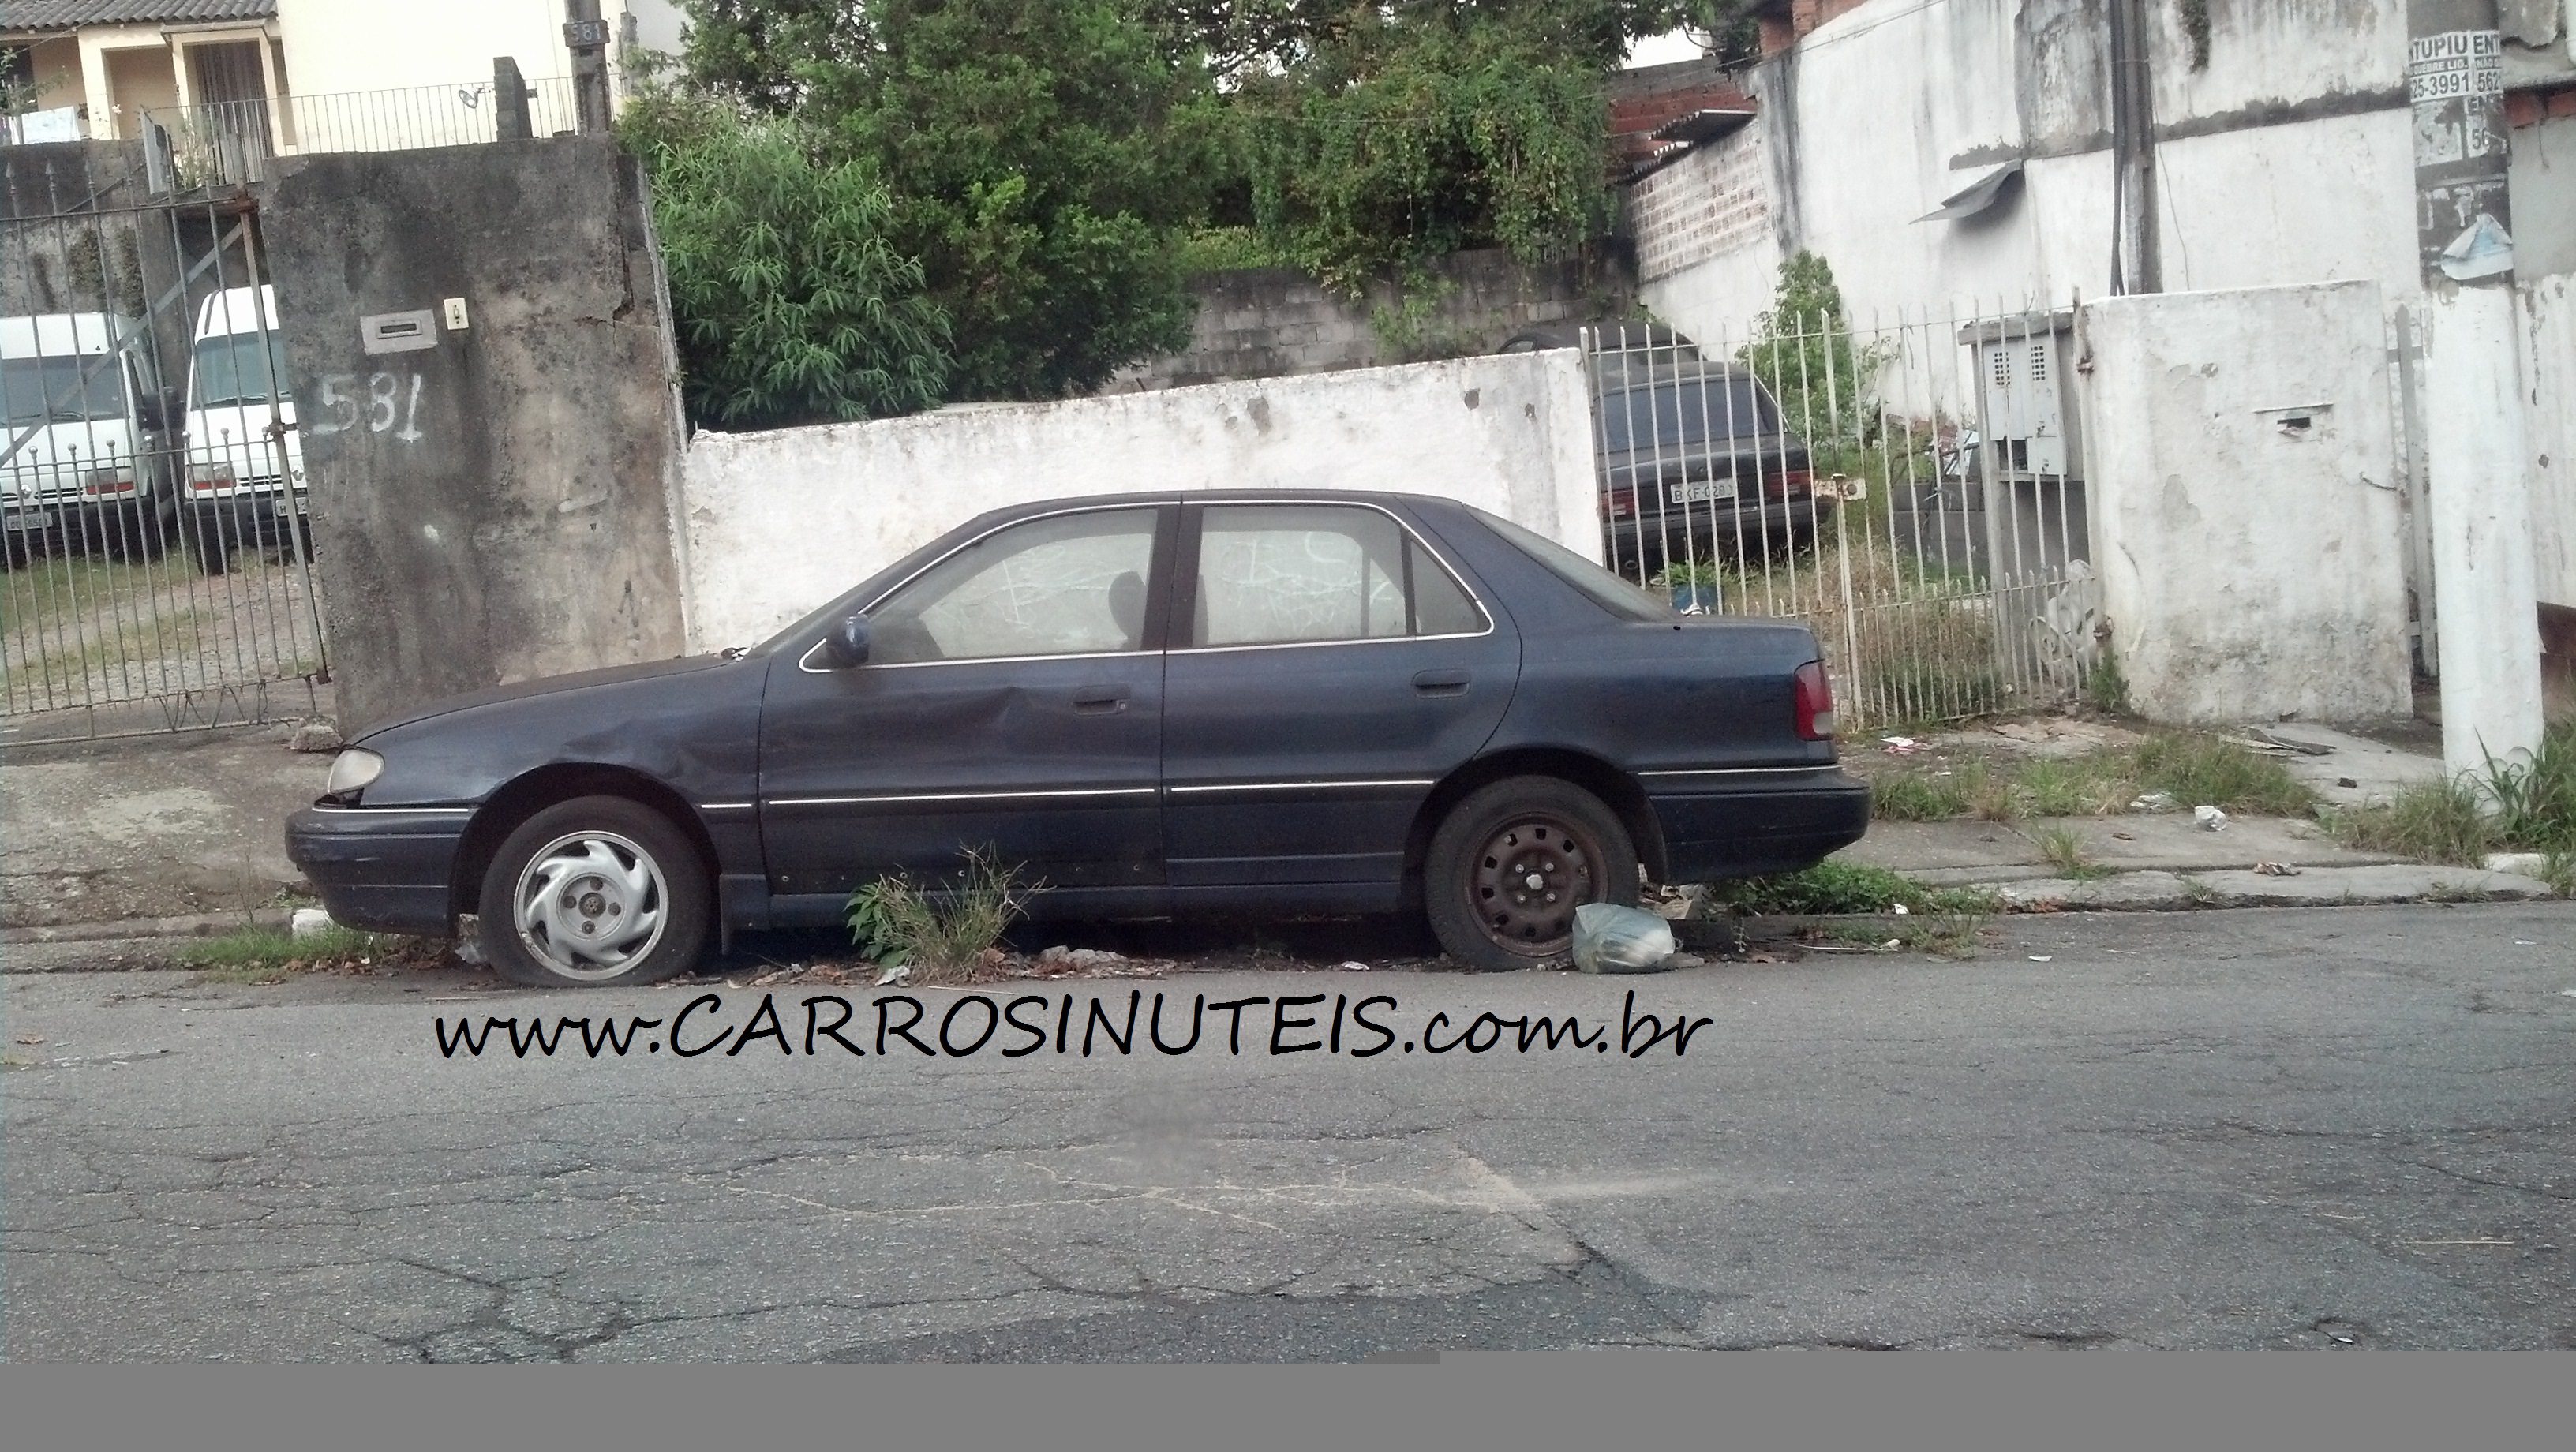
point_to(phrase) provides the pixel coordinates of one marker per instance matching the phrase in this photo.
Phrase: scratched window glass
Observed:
(1070, 585)
(1274, 574)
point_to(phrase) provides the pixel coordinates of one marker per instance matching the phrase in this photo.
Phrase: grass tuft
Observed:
(2502, 807)
(941, 932)
(1845, 887)
(271, 955)
(2063, 849)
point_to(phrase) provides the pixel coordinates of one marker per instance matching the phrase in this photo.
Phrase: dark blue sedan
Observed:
(1283, 702)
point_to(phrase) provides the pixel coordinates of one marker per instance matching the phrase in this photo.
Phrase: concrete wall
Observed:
(1275, 322)
(2549, 364)
(779, 523)
(2249, 568)
(2288, 159)
(496, 506)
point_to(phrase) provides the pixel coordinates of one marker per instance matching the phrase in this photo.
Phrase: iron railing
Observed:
(229, 143)
(158, 554)
(1912, 488)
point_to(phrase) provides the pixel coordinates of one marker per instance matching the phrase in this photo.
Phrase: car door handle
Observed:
(1100, 700)
(1440, 683)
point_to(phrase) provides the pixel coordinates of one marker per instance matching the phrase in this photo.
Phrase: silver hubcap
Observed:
(590, 904)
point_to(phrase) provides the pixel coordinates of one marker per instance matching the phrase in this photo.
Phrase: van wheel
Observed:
(596, 892)
(207, 544)
(1513, 860)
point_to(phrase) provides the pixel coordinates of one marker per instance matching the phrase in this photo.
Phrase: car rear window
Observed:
(1684, 412)
(1598, 585)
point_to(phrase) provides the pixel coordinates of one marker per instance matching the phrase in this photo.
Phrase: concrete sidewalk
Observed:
(2168, 860)
(149, 832)
(171, 834)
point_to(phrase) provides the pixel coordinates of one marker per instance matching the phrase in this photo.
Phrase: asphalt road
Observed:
(2223, 1129)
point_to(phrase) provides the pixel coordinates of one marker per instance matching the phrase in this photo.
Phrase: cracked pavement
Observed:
(2321, 1128)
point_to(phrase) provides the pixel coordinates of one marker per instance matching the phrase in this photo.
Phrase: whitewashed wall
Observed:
(778, 523)
(2248, 569)
(2549, 361)
(1887, 109)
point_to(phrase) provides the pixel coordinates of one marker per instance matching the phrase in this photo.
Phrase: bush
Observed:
(1845, 887)
(792, 303)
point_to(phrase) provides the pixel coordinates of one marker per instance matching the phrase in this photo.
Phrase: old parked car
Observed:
(1294, 702)
(1696, 461)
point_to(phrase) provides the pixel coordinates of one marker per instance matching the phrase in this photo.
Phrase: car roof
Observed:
(1229, 496)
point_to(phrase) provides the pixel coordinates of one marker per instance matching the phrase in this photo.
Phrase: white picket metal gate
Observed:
(1913, 490)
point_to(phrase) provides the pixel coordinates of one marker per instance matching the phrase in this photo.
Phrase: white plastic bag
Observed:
(1613, 939)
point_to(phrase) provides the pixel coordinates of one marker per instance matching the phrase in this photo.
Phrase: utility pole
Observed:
(586, 36)
(2136, 261)
(2477, 454)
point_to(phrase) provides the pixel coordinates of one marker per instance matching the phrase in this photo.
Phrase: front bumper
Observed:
(252, 520)
(1753, 831)
(384, 869)
(1713, 530)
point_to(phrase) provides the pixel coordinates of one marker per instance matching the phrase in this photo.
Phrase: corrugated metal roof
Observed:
(70, 14)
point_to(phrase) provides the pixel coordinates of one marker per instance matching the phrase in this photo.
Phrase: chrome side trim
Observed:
(1745, 770)
(1365, 640)
(1297, 786)
(726, 806)
(959, 797)
(399, 811)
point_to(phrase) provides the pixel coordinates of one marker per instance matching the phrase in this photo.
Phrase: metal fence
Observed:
(229, 143)
(1912, 488)
(152, 500)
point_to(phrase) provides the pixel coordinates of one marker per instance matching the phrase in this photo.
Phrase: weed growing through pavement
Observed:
(2505, 806)
(271, 955)
(941, 932)
(2063, 849)
(2191, 767)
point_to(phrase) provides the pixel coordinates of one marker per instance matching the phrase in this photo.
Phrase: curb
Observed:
(193, 925)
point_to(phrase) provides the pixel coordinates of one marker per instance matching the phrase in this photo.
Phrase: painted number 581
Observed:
(390, 403)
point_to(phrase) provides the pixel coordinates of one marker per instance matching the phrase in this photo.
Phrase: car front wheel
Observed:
(595, 892)
(1512, 861)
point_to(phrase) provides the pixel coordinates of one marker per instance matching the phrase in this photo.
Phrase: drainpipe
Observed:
(2136, 263)
(2477, 454)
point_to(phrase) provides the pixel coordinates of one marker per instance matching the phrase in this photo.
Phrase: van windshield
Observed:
(232, 369)
(62, 390)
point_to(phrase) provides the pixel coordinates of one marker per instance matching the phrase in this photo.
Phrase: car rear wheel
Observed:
(1512, 861)
(595, 892)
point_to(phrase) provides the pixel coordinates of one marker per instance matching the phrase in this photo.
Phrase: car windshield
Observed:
(1597, 584)
(232, 369)
(62, 390)
(1687, 411)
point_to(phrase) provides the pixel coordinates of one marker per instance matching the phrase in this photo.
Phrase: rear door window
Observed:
(1282, 574)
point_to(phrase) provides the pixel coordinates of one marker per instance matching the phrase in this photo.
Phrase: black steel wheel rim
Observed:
(1525, 882)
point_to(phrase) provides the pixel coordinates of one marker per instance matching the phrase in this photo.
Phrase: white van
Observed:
(83, 456)
(245, 475)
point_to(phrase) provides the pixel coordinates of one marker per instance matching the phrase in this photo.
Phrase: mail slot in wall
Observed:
(403, 332)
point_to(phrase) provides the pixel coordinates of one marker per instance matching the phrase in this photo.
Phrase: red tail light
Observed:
(1815, 700)
(1788, 482)
(1623, 503)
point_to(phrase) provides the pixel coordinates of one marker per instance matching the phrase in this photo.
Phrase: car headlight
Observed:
(351, 770)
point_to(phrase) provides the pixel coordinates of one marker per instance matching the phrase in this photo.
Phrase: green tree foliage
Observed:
(794, 305)
(1804, 352)
(1048, 158)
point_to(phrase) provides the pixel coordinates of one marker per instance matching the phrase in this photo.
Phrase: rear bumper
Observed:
(1716, 529)
(1713, 835)
(382, 869)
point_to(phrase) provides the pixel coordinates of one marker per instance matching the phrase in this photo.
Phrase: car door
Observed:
(1328, 668)
(1011, 700)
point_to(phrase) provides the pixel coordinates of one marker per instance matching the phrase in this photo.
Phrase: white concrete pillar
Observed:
(2484, 590)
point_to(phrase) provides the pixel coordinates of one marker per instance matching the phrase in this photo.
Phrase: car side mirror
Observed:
(847, 645)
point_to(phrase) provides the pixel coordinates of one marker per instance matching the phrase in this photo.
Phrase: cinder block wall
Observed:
(497, 505)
